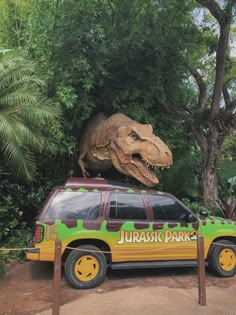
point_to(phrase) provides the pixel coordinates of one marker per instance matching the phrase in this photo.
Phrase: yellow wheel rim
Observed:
(86, 268)
(227, 259)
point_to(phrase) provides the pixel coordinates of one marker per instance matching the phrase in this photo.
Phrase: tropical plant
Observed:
(227, 180)
(229, 202)
(229, 148)
(25, 114)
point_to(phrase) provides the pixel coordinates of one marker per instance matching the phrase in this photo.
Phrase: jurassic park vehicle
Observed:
(105, 224)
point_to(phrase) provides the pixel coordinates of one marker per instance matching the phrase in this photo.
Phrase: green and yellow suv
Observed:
(105, 224)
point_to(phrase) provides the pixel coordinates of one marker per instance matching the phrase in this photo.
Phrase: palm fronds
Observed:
(25, 114)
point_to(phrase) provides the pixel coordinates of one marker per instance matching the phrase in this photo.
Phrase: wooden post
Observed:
(57, 279)
(201, 271)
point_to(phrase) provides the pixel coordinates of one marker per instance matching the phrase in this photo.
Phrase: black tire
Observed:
(222, 259)
(85, 269)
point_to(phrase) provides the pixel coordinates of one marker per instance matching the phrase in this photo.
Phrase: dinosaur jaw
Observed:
(143, 170)
(137, 166)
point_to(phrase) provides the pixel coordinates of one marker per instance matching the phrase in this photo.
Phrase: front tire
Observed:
(87, 268)
(222, 259)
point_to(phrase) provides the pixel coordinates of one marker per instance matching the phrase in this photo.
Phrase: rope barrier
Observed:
(91, 251)
(109, 252)
(120, 251)
(12, 249)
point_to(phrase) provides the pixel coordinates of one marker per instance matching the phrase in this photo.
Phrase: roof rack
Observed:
(80, 181)
(99, 182)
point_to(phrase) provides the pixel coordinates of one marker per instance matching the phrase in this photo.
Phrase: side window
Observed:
(126, 206)
(75, 206)
(166, 209)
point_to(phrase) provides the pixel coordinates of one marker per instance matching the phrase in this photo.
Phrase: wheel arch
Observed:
(221, 238)
(103, 246)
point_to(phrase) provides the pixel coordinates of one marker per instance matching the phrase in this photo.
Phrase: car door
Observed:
(128, 225)
(177, 227)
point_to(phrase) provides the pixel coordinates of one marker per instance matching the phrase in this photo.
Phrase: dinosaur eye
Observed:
(134, 136)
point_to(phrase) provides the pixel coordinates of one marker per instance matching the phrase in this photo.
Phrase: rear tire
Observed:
(222, 259)
(85, 269)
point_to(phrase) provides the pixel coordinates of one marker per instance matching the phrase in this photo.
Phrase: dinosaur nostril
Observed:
(166, 153)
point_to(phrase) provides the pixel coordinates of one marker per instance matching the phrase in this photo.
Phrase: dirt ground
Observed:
(27, 289)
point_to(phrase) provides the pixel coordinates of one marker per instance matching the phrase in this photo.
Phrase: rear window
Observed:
(125, 206)
(74, 206)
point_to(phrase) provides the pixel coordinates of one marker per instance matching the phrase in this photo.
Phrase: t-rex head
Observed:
(135, 150)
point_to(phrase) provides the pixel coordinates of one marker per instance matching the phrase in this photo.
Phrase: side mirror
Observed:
(203, 214)
(191, 218)
(187, 218)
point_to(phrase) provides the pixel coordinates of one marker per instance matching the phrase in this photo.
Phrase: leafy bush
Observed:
(20, 203)
(181, 179)
(16, 239)
(196, 207)
(3, 257)
(10, 217)
(15, 200)
(19, 239)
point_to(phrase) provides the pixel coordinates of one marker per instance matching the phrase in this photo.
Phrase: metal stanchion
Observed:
(201, 271)
(57, 279)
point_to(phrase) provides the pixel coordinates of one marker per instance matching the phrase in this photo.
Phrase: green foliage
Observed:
(21, 202)
(3, 259)
(110, 56)
(227, 180)
(19, 239)
(13, 16)
(25, 114)
(182, 178)
(229, 149)
(227, 173)
(9, 217)
(196, 207)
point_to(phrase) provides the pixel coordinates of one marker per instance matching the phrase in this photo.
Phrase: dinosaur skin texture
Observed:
(130, 147)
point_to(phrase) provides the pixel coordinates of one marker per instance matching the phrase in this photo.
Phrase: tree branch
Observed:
(202, 88)
(224, 19)
(214, 8)
(184, 114)
(226, 95)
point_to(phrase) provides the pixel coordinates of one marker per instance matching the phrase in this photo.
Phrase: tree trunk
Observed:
(209, 171)
(210, 184)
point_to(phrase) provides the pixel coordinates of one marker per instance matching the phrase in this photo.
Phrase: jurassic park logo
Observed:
(165, 237)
